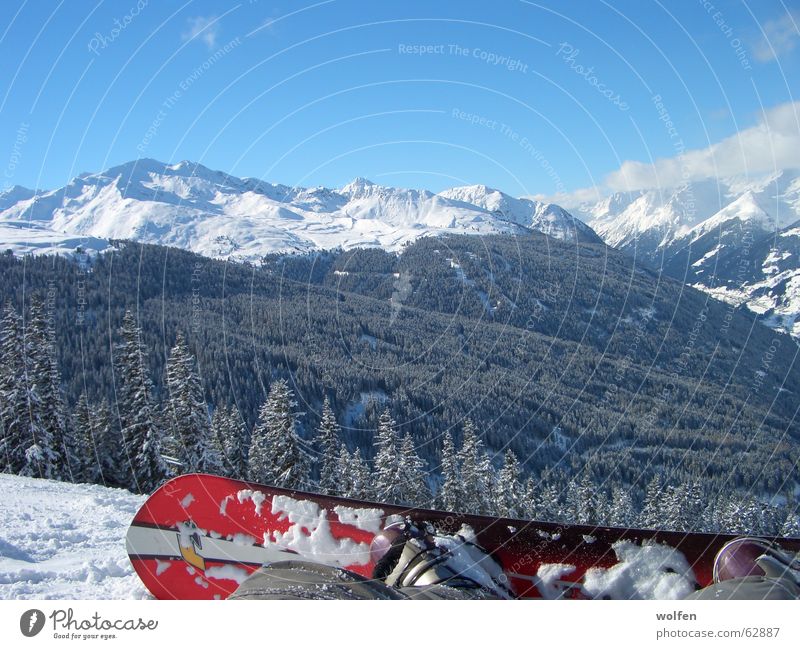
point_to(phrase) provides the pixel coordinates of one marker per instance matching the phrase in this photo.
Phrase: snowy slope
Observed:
(542, 217)
(65, 541)
(189, 206)
(735, 238)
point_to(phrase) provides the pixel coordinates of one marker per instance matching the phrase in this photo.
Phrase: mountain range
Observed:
(189, 206)
(737, 239)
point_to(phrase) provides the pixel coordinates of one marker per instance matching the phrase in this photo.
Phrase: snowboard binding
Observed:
(407, 555)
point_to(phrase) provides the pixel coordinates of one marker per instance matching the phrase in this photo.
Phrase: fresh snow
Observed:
(217, 215)
(309, 534)
(549, 579)
(65, 541)
(648, 571)
(368, 519)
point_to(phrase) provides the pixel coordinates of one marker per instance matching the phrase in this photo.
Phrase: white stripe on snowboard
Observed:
(155, 542)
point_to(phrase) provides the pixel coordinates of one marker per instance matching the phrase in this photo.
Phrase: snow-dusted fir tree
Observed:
(187, 413)
(41, 459)
(476, 472)
(47, 378)
(451, 493)
(13, 410)
(357, 480)
(141, 435)
(89, 451)
(228, 429)
(412, 479)
(328, 439)
(389, 473)
(277, 456)
(111, 449)
(621, 512)
(652, 509)
(545, 500)
(508, 490)
(791, 524)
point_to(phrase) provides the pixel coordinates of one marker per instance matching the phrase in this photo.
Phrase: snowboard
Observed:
(199, 536)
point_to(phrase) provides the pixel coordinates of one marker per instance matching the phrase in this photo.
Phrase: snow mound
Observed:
(65, 541)
(648, 571)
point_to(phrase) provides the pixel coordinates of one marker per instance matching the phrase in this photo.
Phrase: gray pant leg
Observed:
(306, 580)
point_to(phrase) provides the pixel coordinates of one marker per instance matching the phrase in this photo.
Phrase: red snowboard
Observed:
(199, 536)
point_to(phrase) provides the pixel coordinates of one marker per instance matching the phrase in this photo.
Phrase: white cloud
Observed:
(773, 143)
(780, 37)
(204, 28)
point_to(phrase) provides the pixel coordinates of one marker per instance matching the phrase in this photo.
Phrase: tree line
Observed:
(137, 442)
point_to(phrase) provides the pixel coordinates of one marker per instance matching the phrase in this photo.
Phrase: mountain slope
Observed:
(568, 354)
(717, 235)
(191, 207)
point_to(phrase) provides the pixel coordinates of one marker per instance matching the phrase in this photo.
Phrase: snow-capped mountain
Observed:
(218, 215)
(542, 217)
(735, 238)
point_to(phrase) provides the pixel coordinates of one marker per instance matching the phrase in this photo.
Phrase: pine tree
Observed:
(228, 429)
(652, 513)
(414, 490)
(46, 375)
(451, 494)
(88, 446)
(13, 411)
(476, 472)
(673, 511)
(41, 456)
(388, 472)
(276, 455)
(791, 525)
(621, 512)
(549, 503)
(509, 488)
(188, 414)
(110, 446)
(328, 438)
(141, 435)
(360, 479)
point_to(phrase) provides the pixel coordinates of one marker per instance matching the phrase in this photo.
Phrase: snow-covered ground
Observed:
(65, 541)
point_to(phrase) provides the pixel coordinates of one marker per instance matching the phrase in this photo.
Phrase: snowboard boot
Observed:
(753, 568)
(425, 565)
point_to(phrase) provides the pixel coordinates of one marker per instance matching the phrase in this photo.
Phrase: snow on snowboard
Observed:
(199, 536)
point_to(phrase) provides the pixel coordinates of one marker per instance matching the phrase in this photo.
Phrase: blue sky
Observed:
(529, 97)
